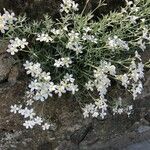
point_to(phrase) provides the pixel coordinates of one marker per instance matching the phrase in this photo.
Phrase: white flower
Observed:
(117, 110)
(116, 42)
(95, 114)
(14, 108)
(5, 20)
(27, 112)
(129, 109)
(136, 89)
(85, 113)
(38, 120)
(89, 85)
(112, 43)
(45, 126)
(90, 38)
(142, 44)
(34, 85)
(135, 8)
(145, 34)
(137, 55)
(102, 82)
(29, 124)
(33, 69)
(56, 31)
(87, 29)
(44, 37)
(68, 5)
(23, 43)
(99, 108)
(137, 71)
(73, 36)
(69, 78)
(51, 87)
(3, 25)
(58, 63)
(42, 92)
(88, 109)
(103, 114)
(75, 46)
(101, 103)
(66, 61)
(73, 88)
(75, 6)
(129, 3)
(123, 10)
(29, 102)
(133, 19)
(124, 80)
(9, 17)
(16, 45)
(120, 110)
(45, 76)
(59, 90)
(140, 70)
(114, 110)
(12, 50)
(143, 20)
(41, 89)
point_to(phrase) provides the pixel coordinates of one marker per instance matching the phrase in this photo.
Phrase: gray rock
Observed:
(8, 69)
(67, 145)
(45, 146)
(139, 146)
(80, 134)
(143, 128)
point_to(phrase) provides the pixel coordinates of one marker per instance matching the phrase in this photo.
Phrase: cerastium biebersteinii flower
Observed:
(81, 56)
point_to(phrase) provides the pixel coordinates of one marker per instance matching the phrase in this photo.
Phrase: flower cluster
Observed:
(16, 45)
(81, 55)
(101, 83)
(44, 38)
(75, 40)
(30, 116)
(6, 20)
(66, 61)
(99, 108)
(88, 37)
(68, 5)
(143, 38)
(116, 42)
(42, 87)
(133, 77)
(119, 110)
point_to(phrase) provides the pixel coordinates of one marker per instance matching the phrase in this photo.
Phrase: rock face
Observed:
(73, 132)
(36, 8)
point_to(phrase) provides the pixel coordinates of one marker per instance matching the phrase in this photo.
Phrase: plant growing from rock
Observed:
(78, 55)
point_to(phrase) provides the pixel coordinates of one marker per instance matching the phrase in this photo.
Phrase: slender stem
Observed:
(87, 1)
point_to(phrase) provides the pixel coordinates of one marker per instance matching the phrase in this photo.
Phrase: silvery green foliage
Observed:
(78, 55)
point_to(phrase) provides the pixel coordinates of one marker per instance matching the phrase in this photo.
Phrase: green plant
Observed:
(85, 57)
